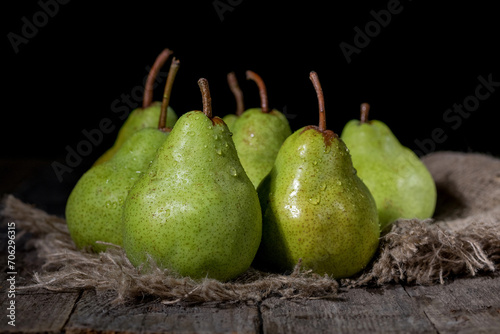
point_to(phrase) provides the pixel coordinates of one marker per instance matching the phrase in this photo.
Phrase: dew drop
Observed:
(108, 204)
(210, 127)
(328, 149)
(339, 183)
(191, 133)
(167, 212)
(219, 151)
(315, 200)
(216, 137)
(315, 163)
(323, 187)
(232, 171)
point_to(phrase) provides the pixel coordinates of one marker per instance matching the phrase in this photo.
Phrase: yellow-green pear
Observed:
(398, 180)
(146, 116)
(195, 211)
(315, 208)
(258, 134)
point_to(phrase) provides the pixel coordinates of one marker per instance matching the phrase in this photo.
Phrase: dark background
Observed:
(84, 57)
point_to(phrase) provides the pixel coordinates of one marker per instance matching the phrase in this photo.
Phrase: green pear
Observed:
(229, 119)
(258, 134)
(315, 208)
(94, 207)
(195, 211)
(146, 116)
(398, 180)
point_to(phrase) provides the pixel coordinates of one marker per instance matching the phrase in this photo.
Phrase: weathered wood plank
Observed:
(37, 313)
(94, 314)
(464, 305)
(383, 310)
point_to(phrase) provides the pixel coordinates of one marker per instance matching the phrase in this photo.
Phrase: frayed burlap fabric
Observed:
(463, 239)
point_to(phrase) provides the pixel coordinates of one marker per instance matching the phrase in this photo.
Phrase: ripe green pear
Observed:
(144, 117)
(315, 207)
(195, 211)
(94, 207)
(398, 180)
(258, 135)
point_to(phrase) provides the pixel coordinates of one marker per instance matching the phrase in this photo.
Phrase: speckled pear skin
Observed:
(195, 211)
(94, 207)
(400, 183)
(230, 119)
(139, 118)
(258, 137)
(315, 208)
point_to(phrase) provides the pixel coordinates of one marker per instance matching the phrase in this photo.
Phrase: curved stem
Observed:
(262, 89)
(238, 94)
(205, 95)
(321, 100)
(153, 73)
(174, 67)
(365, 109)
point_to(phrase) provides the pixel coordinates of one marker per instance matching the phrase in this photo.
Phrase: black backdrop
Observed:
(67, 62)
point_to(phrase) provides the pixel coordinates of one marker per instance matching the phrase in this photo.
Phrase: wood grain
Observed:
(463, 305)
(382, 310)
(94, 314)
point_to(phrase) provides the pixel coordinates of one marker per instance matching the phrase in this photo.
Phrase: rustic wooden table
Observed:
(462, 305)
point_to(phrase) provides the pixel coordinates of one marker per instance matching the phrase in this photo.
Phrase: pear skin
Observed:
(400, 183)
(195, 211)
(94, 207)
(315, 207)
(258, 137)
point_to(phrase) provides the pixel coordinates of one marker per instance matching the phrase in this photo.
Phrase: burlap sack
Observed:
(463, 239)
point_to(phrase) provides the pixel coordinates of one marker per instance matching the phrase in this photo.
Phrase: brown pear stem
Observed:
(321, 100)
(262, 89)
(238, 94)
(205, 95)
(174, 67)
(365, 109)
(153, 73)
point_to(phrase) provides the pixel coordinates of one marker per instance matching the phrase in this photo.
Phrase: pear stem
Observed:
(153, 73)
(174, 67)
(262, 89)
(207, 99)
(321, 100)
(238, 94)
(365, 109)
